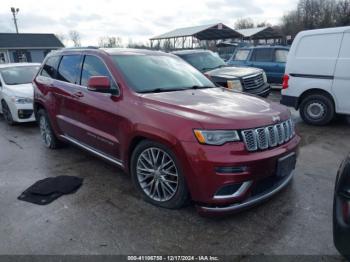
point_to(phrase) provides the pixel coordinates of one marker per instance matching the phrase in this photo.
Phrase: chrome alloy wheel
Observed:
(316, 110)
(157, 174)
(45, 131)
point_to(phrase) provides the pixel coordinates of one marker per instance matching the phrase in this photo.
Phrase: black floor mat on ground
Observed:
(47, 190)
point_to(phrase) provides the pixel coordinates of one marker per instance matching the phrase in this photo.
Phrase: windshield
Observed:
(159, 73)
(204, 61)
(241, 55)
(18, 75)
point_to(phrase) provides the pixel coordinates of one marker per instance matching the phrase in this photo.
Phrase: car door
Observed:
(341, 84)
(263, 58)
(67, 93)
(341, 209)
(98, 112)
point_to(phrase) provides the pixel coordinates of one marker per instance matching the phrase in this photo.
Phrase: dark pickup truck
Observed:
(244, 79)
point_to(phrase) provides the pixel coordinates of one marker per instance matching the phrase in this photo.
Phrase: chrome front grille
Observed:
(269, 136)
(252, 82)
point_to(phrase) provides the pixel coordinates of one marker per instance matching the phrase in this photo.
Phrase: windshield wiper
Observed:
(200, 87)
(160, 90)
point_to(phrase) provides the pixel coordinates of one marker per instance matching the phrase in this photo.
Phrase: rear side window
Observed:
(319, 46)
(93, 66)
(262, 55)
(281, 55)
(69, 68)
(50, 67)
(241, 55)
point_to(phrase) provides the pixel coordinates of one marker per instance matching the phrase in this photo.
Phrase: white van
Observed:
(317, 77)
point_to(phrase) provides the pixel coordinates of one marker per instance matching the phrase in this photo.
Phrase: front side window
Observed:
(93, 66)
(241, 55)
(50, 67)
(262, 55)
(281, 55)
(69, 68)
(18, 75)
(159, 73)
(204, 61)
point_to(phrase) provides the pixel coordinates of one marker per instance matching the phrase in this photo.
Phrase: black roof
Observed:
(13, 40)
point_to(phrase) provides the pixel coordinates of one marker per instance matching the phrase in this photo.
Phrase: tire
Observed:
(46, 132)
(317, 110)
(168, 189)
(6, 112)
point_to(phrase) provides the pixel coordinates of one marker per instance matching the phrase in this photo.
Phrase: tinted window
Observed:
(18, 75)
(262, 55)
(281, 55)
(50, 67)
(241, 55)
(69, 68)
(93, 66)
(145, 73)
(204, 61)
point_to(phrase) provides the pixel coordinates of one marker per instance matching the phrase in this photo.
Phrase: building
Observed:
(261, 35)
(27, 47)
(191, 37)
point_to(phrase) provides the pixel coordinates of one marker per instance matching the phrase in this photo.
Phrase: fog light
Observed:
(230, 169)
(233, 190)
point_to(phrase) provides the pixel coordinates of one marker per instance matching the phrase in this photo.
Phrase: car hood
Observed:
(232, 71)
(23, 90)
(218, 108)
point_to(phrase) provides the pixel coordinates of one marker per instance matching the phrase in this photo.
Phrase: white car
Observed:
(317, 77)
(16, 91)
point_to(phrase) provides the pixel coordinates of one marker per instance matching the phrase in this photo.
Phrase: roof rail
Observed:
(80, 47)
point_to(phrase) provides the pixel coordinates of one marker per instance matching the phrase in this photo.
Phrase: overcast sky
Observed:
(134, 19)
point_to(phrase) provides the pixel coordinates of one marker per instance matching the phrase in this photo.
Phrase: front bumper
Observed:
(249, 202)
(290, 101)
(209, 170)
(263, 91)
(22, 113)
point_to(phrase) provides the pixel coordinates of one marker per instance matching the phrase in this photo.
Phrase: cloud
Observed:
(137, 19)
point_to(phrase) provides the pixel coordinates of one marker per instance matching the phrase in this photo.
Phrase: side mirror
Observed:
(99, 84)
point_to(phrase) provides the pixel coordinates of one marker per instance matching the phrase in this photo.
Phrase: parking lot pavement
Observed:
(106, 216)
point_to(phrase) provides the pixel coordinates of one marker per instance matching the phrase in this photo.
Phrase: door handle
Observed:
(78, 94)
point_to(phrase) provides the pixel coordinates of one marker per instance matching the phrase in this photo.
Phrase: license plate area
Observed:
(286, 165)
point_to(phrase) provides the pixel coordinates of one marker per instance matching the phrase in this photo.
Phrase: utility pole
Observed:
(14, 13)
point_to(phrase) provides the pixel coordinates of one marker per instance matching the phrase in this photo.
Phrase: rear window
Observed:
(50, 67)
(262, 55)
(319, 46)
(69, 68)
(281, 55)
(241, 55)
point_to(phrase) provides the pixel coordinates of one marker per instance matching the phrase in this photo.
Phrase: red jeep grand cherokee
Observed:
(167, 125)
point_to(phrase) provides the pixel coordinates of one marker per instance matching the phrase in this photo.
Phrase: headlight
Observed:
(216, 137)
(22, 100)
(264, 77)
(234, 85)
